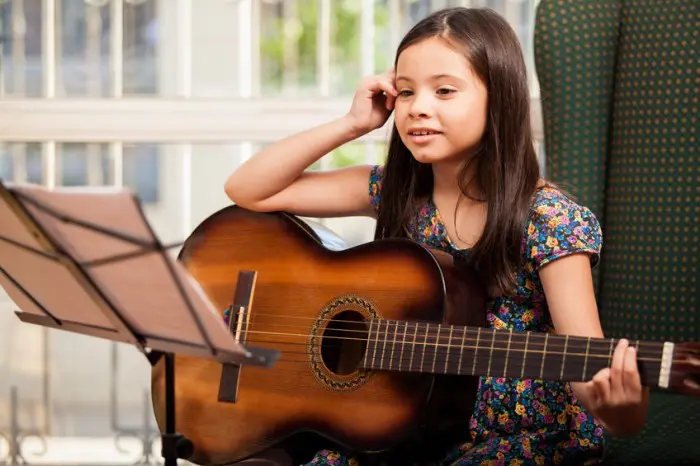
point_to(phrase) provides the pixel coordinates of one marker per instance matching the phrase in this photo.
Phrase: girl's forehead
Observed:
(431, 58)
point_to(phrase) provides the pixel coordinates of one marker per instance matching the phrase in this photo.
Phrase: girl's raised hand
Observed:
(373, 102)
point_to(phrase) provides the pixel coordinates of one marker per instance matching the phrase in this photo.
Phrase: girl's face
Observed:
(441, 108)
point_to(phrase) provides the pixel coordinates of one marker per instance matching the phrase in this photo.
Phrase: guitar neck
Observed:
(457, 350)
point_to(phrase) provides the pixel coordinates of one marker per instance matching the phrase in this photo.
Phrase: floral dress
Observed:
(519, 421)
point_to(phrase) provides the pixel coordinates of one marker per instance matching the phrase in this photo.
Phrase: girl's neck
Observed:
(446, 176)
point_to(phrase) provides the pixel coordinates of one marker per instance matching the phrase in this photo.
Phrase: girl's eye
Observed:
(405, 93)
(445, 91)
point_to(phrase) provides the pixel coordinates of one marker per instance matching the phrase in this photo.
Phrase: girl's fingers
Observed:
(601, 382)
(388, 87)
(385, 87)
(390, 102)
(630, 375)
(616, 370)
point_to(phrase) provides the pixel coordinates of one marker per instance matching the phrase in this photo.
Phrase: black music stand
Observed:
(86, 260)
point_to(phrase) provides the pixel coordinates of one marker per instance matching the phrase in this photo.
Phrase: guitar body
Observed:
(304, 289)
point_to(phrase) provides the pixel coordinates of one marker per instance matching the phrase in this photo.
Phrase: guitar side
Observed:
(304, 293)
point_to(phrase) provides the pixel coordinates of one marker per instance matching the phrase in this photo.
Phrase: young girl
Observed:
(462, 176)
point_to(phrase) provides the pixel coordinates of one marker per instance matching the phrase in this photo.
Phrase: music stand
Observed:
(85, 260)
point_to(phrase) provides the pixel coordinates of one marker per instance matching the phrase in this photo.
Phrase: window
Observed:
(85, 39)
(82, 29)
(82, 164)
(312, 48)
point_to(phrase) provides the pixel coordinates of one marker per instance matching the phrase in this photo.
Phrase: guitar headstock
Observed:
(685, 370)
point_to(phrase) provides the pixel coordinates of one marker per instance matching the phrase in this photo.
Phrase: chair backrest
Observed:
(619, 83)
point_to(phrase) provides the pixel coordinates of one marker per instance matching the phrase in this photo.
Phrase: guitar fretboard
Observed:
(444, 349)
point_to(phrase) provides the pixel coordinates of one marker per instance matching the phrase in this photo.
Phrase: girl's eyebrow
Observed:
(434, 77)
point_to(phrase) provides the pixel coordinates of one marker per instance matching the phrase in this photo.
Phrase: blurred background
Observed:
(167, 97)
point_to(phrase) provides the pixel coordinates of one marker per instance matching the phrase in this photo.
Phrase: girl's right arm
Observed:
(275, 179)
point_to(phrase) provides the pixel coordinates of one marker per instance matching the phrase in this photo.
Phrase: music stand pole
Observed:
(86, 261)
(173, 444)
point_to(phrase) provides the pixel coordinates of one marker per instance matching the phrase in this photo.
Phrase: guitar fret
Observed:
(563, 358)
(461, 351)
(437, 345)
(525, 355)
(449, 347)
(425, 345)
(585, 358)
(369, 339)
(386, 342)
(493, 342)
(505, 366)
(612, 348)
(544, 354)
(476, 350)
(403, 344)
(376, 342)
(393, 345)
(413, 346)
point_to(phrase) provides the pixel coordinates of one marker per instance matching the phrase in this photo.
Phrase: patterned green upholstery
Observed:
(619, 83)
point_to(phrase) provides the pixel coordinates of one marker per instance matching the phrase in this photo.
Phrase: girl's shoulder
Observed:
(558, 225)
(551, 200)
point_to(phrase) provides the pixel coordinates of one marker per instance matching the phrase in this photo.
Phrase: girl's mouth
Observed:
(423, 136)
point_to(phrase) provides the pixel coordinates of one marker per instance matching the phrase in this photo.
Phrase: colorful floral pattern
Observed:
(519, 421)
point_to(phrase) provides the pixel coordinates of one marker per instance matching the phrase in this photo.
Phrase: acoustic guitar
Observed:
(380, 343)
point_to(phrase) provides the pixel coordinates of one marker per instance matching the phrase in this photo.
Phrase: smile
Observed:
(422, 132)
(422, 136)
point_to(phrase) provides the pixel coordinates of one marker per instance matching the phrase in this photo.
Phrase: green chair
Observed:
(619, 83)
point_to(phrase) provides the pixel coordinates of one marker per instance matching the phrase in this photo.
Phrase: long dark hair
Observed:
(506, 167)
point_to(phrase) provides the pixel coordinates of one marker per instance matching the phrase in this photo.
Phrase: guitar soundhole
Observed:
(344, 342)
(337, 342)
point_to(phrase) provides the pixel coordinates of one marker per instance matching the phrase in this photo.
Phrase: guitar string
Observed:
(444, 327)
(469, 328)
(453, 350)
(500, 333)
(450, 353)
(572, 373)
(502, 337)
(481, 365)
(642, 355)
(462, 347)
(459, 349)
(480, 368)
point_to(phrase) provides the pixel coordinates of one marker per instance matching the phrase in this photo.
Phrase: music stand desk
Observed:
(85, 260)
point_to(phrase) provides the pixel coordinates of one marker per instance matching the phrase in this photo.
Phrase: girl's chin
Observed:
(425, 156)
(432, 155)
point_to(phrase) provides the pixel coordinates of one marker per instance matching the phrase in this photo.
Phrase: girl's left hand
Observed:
(618, 399)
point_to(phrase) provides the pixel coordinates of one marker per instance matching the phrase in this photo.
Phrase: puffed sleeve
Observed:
(375, 186)
(559, 227)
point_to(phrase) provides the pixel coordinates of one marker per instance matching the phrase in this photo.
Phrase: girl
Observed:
(462, 175)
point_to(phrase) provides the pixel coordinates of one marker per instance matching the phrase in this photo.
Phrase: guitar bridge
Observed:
(238, 314)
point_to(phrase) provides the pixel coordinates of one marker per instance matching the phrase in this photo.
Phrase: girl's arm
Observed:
(275, 179)
(615, 396)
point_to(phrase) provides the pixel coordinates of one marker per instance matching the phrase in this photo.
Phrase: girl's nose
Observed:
(420, 107)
